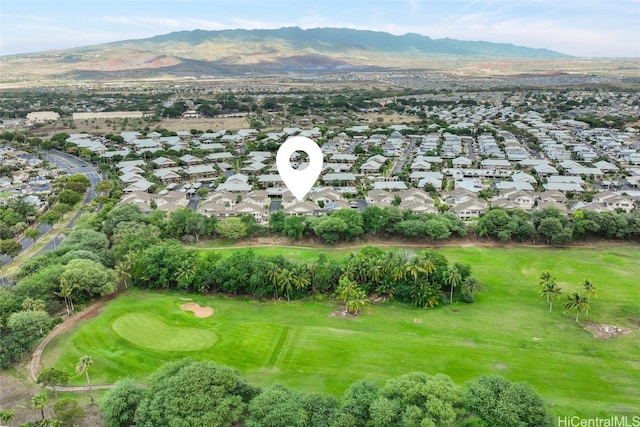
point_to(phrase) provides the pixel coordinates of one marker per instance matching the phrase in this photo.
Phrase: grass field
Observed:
(509, 331)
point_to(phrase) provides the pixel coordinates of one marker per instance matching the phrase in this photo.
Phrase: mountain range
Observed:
(234, 52)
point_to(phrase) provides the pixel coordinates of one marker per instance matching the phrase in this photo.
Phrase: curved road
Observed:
(72, 165)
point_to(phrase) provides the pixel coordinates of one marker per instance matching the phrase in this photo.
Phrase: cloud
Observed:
(160, 23)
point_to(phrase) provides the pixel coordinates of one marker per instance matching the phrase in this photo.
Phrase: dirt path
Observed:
(34, 365)
(396, 243)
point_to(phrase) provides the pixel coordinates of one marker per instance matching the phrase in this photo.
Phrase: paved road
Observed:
(403, 159)
(72, 165)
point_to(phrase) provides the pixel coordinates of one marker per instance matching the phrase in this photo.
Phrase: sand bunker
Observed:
(197, 309)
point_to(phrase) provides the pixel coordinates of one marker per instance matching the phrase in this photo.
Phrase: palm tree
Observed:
(589, 290)
(357, 268)
(470, 286)
(39, 402)
(301, 278)
(123, 270)
(186, 270)
(375, 271)
(551, 290)
(347, 288)
(545, 279)
(357, 302)
(577, 302)
(82, 367)
(273, 273)
(453, 279)
(66, 292)
(286, 280)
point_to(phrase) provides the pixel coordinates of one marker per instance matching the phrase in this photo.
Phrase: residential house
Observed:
(190, 160)
(380, 198)
(236, 183)
(341, 178)
(130, 163)
(325, 195)
(344, 158)
(495, 164)
(461, 162)
(303, 208)
(259, 198)
(392, 184)
(219, 157)
(613, 201)
(167, 175)
(371, 167)
(142, 199)
(518, 199)
(129, 178)
(270, 180)
(141, 185)
(418, 207)
(171, 201)
(200, 171)
(260, 213)
(163, 162)
(472, 208)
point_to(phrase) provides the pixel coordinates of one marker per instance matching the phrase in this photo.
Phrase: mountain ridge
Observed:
(238, 51)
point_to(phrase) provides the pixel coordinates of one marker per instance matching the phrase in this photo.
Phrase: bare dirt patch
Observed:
(603, 332)
(341, 313)
(197, 309)
(634, 321)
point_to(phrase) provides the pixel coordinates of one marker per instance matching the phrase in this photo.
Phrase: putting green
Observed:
(148, 331)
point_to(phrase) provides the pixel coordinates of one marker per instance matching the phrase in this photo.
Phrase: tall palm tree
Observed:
(545, 276)
(577, 302)
(301, 278)
(545, 279)
(82, 367)
(123, 270)
(453, 279)
(286, 280)
(589, 290)
(273, 273)
(39, 402)
(66, 292)
(551, 290)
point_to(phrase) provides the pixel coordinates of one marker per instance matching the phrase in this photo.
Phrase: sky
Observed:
(583, 28)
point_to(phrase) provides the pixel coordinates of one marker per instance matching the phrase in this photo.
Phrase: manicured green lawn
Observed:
(509, 331)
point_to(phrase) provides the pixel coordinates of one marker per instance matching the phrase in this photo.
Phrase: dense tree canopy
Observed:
(193, 394)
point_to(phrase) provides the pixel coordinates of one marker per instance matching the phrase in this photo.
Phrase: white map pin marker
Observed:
(299, 182)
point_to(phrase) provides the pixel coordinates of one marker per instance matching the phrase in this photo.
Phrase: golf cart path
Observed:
(34, 365)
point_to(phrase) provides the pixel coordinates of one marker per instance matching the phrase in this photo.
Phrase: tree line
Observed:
(546, 226)
(222, 397)
(552, 226)
(123, 246)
